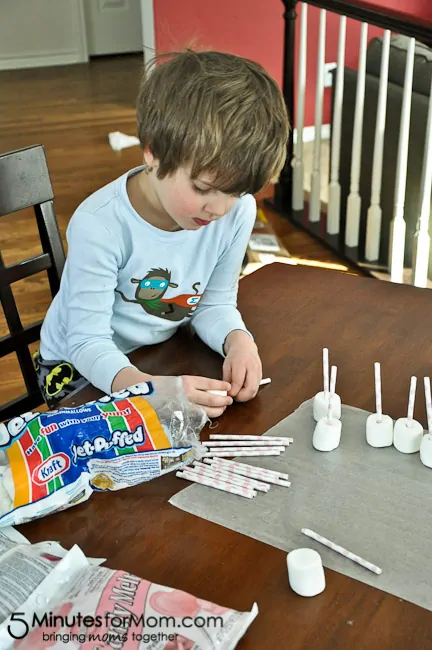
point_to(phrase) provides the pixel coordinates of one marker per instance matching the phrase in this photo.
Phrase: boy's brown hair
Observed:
(217, 113)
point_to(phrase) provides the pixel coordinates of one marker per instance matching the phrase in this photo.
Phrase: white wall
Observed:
(36, 33)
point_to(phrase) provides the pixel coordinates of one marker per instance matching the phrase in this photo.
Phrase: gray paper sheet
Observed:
(376, 503)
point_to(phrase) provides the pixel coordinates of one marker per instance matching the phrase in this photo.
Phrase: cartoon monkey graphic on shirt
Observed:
(150, 291)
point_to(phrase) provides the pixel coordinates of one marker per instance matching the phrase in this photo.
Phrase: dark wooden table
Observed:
(293, 313)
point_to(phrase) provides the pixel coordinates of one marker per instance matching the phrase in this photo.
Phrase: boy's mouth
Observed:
(201, 222)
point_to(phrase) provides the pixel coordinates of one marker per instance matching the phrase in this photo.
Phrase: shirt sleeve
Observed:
(94, 257)
(217, 314)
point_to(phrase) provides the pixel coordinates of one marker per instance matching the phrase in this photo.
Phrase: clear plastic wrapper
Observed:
(52, 461)
(62, 600)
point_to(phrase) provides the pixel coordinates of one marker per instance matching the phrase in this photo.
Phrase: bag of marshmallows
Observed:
(54, 460)
(61, 600)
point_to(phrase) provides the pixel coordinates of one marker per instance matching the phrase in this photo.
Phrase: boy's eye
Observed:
(201, 191)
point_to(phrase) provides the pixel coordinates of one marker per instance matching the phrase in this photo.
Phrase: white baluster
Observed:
(315, 195)
(398, 225)
(298, 166)
(333, 207)
(373, 229)
(354, 198)
(421, 241)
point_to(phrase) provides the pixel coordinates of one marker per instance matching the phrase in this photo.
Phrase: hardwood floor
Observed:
(70, 110)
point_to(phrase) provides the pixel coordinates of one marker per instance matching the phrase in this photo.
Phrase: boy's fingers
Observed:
(250, 388)
(238, 379)
(214, 412)
(206, 383)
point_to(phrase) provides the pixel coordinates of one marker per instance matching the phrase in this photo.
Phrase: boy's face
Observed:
(191, 204)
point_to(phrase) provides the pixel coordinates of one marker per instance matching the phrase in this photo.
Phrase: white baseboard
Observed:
(309, 133)
(41, 60)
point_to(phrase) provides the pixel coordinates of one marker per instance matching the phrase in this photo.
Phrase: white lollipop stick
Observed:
(427, 386)
(326, 372)
(378, 399)
(411, 401)
(332, 392)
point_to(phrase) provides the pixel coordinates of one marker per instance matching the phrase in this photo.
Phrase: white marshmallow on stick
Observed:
(408, 433)
(426, 443)
(321, 400)
(379, 427)
(327, 434)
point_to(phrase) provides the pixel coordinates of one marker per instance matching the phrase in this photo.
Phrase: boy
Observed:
(163, 245)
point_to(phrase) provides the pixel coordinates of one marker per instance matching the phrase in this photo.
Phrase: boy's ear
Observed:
(149, 158)
(135, 281)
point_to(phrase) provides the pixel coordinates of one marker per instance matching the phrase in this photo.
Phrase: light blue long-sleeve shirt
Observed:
(127, 283)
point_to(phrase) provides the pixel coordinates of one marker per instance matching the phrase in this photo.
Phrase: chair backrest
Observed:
(24, 183)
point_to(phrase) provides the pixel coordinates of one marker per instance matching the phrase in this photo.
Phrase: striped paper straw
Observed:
(271, 479)
(250, 470)
(341, 550)
(230, 477)
(218, 484)
(242, 443)
(326, 371)
(411, 401)
(378, 400)
(332, 393)
(273, 439)
(427, 387)
(236, 448)
(232, 454)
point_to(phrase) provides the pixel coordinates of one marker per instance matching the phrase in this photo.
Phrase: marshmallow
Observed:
(407, 439)
(326, 436)
(320, 406)
(379, 434)
(306, 572)
(222, 393)
(426, 450)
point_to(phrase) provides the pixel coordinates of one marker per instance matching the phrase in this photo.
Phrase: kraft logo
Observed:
(51, 468)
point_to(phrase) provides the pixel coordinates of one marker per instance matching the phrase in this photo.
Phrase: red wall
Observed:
(254, 29)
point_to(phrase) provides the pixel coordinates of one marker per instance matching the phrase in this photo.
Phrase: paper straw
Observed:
(332, 393)
(250, 470)
(264, 480)
(326, 372)
(342, 551)
(411, 401)
(378, 390)
(427, 387)
(236, 448)
(230, 477)
(265, 381)
(217, 484)
(242, 443)
(270, 439)
(232, 454)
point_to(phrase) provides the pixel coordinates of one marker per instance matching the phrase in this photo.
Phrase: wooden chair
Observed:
(24, 183)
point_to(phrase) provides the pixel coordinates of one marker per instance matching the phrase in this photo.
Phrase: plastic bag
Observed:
(52, 461)
(64, 601)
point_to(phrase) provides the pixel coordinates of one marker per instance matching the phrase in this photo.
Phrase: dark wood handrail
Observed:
(393, 19)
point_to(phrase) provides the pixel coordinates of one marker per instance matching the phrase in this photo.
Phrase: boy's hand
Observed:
(242, 366)
(196, 389)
